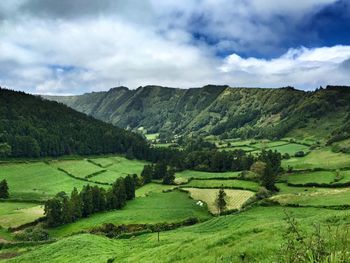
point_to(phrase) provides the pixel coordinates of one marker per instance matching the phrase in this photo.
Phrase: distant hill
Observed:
(31, 126)
(221, 110)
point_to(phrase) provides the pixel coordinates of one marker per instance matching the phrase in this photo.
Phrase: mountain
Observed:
(221, 110)
(31, 126)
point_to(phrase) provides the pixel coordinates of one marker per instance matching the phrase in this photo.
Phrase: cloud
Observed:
(303, 67)
(63, 47)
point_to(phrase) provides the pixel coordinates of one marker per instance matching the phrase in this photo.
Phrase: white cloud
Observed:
(303, 67)
(49, 49)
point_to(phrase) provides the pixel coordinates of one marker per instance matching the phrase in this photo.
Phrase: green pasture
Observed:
(155, 208)
(239, 184)
(221, 239)
(37, 180)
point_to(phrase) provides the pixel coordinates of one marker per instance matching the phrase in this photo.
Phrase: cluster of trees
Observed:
(268, 166)
(217, 161)
(31, 127)
(63, 209)
(158, 171)
(4, 189)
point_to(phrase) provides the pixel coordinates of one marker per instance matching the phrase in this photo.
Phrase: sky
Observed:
(77, 46)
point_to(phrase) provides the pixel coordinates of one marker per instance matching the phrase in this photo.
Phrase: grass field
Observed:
(36, 180)
(319, 158)
(152, 188)
(78, 168)
(14, 214)
(321, 197)
(155, 208)
(290, 148)
(234, 198)
(189, 174)
(114, 166)
(239, 184)
(221, 239)
(320, 177)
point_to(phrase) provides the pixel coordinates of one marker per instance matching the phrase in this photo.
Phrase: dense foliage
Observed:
(4, 189)
(63, 209)
(31, 126)
(219, 110)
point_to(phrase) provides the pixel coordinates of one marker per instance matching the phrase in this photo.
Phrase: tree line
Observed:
(64, 209)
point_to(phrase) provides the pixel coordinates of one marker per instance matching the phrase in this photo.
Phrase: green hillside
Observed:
(221, 110)
(31, 127)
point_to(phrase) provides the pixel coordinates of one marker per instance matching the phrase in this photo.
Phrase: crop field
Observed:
(215, 240)
(14, 214)
(155, 208)
(234, 198)
(37, 180)
(238, 184)
(319, 158)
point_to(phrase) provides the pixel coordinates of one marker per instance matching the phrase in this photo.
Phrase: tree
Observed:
(268, 179)
(258, 168)
(129, 187)
(5, 149)
(169, 177)
(76, 204)
(147, 173)
(53, 212)
(4, 189)
(221, 200)
(118, 190)
(86, 198)
(160, 170)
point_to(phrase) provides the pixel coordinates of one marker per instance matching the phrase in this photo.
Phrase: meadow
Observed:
(13, 214)
(37, 180)
(234, 184)
(238, 237)
(230, 238)
(319, 158)
(158, 207)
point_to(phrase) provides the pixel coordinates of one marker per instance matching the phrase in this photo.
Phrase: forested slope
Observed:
(221, 110)
(31, 126)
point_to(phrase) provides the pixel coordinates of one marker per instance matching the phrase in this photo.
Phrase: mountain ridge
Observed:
(217, 110)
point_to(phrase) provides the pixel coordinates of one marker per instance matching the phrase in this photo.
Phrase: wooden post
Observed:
(158, 235)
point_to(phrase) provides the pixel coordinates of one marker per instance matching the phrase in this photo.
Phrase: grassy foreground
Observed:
(232, 238)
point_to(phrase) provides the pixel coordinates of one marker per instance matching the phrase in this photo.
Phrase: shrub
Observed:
(299, 154)
(36, 233)
(262, 193)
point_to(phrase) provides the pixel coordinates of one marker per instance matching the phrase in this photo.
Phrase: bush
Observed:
(36, 233)
(299, 154)
(300, 246)
(262, 193)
